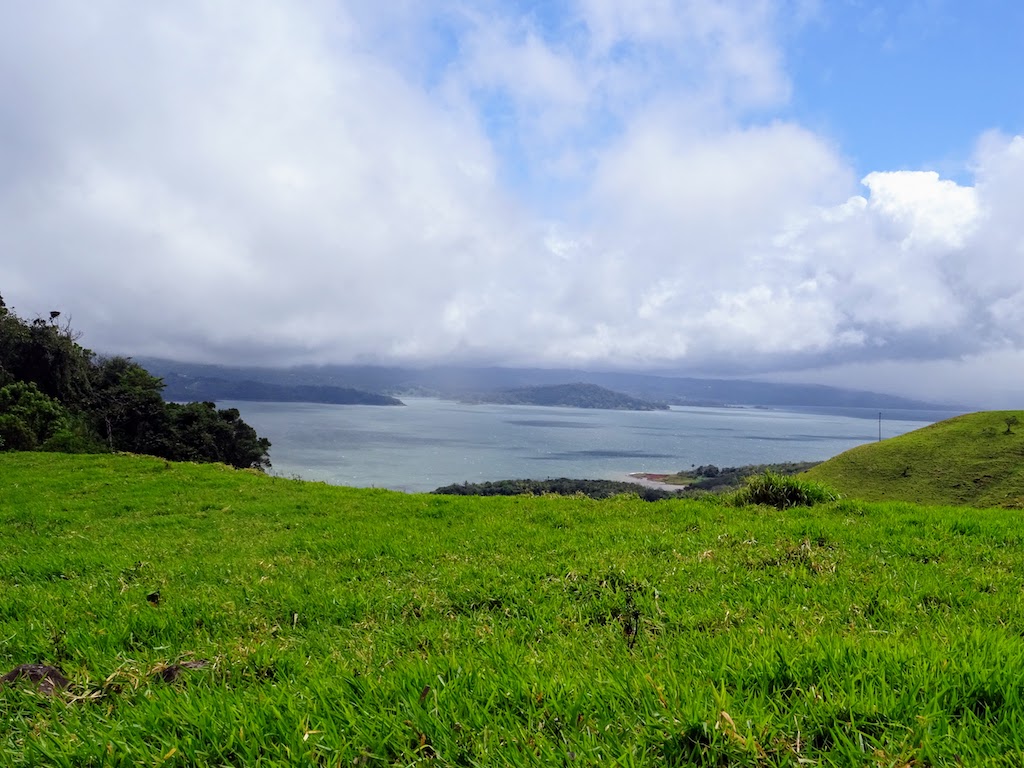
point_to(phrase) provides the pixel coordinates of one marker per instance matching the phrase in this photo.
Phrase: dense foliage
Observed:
(56, 395)
(697, 482)
(209, 617)
(28, 418)
(712, 478)
(563, 486)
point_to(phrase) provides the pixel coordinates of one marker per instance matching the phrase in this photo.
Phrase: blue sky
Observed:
(910, 86)
(788, 189)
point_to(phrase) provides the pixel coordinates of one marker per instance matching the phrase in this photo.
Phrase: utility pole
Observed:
(879, 426)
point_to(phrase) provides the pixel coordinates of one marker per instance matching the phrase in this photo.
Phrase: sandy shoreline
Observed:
(649, 480)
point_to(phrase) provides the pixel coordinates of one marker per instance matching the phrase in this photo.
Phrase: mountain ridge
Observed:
(184, 387)
(574, 395)
(458, 382)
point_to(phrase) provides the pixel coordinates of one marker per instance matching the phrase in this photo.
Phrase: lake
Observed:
(430, 443)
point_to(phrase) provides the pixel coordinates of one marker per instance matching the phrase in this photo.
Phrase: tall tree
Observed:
(204, 433)
(128, 409)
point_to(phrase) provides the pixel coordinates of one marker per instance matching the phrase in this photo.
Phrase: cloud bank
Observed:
(276, 183)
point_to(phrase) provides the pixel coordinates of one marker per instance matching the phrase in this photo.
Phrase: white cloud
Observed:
(272, 186)
(924, 209)
(271, 182)
(519, 61)
(728, 48)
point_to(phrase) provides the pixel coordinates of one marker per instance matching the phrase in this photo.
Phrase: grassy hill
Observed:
(968, 460)
(206, 616)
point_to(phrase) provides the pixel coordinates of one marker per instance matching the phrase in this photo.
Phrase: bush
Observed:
(15, 434)
(76, 437)
(782, 492)
(28, 417)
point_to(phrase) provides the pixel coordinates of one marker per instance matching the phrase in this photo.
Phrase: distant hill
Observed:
(569, 396)
(183, 387)
(461, 382)
(973, 460)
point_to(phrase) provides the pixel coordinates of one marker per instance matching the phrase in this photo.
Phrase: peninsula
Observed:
(578, 395)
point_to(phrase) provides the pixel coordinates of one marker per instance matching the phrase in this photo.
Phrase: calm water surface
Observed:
(430, 443)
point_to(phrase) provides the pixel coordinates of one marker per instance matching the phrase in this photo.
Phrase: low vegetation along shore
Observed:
(198, 615)
(710, 478)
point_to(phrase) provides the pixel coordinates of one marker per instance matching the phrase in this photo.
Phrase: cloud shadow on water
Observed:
(603, 454)
(549, 423)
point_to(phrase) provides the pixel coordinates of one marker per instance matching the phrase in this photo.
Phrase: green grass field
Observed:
(348, 627)
(970, 460)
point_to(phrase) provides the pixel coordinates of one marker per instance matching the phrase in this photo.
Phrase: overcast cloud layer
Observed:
(276, 183)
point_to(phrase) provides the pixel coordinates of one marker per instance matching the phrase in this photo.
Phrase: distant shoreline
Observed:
(650, 480)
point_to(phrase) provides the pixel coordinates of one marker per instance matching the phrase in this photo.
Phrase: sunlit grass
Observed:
(365, 627)
(976, 459)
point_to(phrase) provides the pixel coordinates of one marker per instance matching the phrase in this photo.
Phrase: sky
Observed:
(781, 189)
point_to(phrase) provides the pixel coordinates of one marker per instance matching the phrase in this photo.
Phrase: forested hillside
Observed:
(578, 395)
(56, 395)
(182, 387)
(468, 382)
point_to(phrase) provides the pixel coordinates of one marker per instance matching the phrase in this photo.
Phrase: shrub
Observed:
(75, 437)
(28, 417)
(782, 492)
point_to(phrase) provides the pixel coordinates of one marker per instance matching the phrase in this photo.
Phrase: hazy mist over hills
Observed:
(460, 382)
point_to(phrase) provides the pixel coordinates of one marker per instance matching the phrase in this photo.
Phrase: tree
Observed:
(46, 354)
(1011, 421)
(28, 418)
(59, 396)
(204, 433)
(127, 407)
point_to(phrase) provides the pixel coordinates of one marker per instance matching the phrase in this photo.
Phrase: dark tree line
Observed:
(56, 395)
(563, 486)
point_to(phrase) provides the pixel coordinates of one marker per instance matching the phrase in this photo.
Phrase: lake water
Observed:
(430, 443)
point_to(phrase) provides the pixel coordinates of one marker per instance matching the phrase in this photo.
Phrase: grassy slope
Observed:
(363, 627)
(968, 460)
